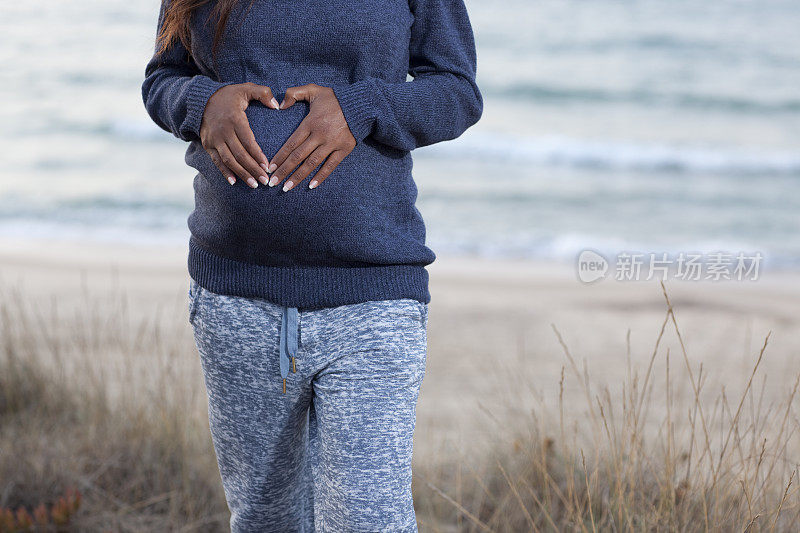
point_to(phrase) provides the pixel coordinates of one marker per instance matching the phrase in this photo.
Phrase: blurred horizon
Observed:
(655, 126)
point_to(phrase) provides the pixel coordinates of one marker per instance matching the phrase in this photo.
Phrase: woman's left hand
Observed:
(323, 137)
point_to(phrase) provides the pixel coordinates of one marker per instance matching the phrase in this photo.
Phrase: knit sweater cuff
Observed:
(356, 102)
(201, 88)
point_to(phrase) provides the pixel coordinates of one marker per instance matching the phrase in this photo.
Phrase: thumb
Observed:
(293, 94)
(262, 93)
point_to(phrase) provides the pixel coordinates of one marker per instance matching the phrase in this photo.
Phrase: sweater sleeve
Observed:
(441, 101)
(174, 91)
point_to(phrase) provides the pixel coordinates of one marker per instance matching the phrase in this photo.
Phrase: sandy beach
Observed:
(491, 336)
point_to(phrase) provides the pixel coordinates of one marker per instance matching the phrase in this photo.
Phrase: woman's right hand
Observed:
(226, 134)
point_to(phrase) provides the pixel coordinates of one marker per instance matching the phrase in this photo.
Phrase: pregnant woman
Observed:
(308, 293)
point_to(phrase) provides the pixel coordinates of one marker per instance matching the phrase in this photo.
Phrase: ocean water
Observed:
(652, 125)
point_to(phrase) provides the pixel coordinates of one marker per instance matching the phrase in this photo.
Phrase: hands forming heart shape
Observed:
(322, 138)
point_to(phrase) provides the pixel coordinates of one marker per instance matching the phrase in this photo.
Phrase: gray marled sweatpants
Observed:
(333, 452)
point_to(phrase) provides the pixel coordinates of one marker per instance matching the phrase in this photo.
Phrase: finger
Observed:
(295, 139)
(230, 161)
(293, 94)
(246, 161)
(329, 166)
(217, 160)
(262, 93)
(248, 141)
(293, 161)
(314, 159)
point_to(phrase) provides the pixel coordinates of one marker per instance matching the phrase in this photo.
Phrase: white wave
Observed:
(566, 247)
(617, 154)
(563, 247)
(137, 129)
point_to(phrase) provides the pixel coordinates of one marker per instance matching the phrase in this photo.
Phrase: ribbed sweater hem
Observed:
(306, 286)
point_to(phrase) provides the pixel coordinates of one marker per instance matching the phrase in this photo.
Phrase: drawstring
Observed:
(289, 335)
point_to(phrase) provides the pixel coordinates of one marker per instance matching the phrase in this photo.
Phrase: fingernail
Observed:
(274, 103)
(272, 168)
(265, 167)
(281, 106)
(263, 180)
(288, 185)
(252, 182)
(313, 184)
(273, 181)
(231, 180)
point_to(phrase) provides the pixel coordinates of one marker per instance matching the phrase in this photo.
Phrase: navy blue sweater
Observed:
(358, 236)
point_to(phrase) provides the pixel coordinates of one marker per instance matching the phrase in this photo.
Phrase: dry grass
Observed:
(632, 461)
(660, 451)
(133, 441)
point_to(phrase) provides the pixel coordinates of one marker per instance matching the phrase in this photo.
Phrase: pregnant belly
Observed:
(272, 127)
(363, 213)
